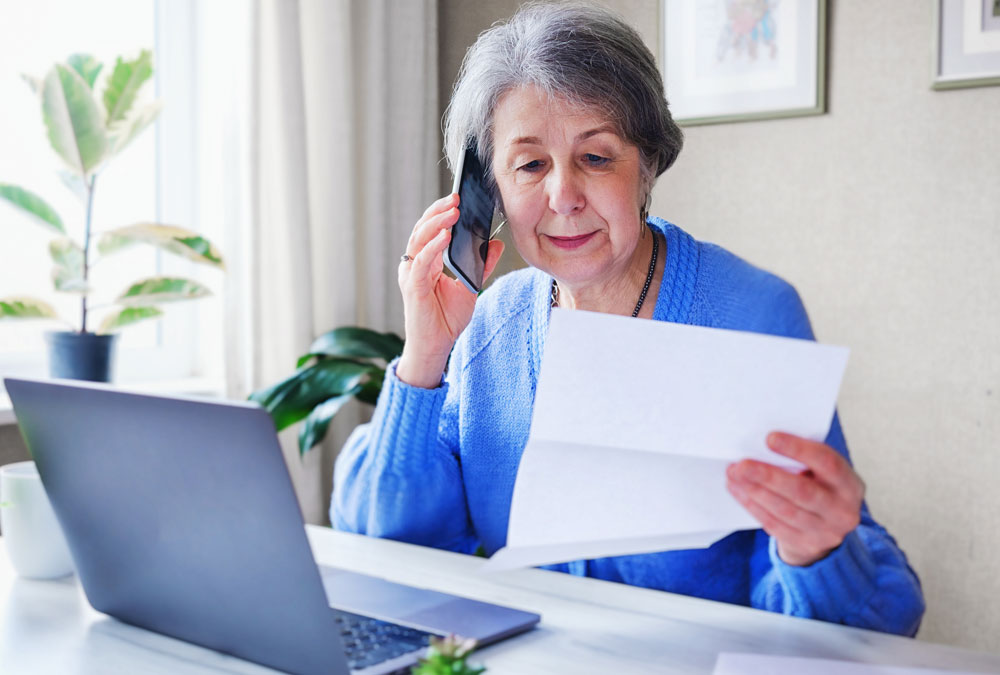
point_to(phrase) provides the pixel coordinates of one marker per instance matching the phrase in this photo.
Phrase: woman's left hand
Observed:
(808, 513)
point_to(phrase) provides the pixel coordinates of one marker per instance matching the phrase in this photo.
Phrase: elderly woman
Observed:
(566, 107)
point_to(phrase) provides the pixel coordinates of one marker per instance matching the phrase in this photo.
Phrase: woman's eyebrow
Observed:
(582, 136)
(525, 140)
(603, 129)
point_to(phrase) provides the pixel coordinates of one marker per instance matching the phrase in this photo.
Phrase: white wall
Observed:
(885, 215)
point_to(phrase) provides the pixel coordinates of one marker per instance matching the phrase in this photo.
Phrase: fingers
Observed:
(803, 537)
(440, 205)
(801, 489)
(780, 497)
(808, 513)
(425, 268)
(771, 522)
(441, 214)
(825, 462)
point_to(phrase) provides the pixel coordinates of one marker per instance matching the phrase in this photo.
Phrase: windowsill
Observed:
(192, 386)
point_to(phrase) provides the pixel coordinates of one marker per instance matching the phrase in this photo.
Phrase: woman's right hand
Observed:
(436, 307)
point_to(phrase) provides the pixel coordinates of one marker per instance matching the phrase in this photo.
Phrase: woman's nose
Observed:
(565, 192)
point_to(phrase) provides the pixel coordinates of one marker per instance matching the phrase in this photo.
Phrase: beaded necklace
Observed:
(554, 293)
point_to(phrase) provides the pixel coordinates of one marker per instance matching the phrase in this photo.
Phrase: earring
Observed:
(503, 221)
(643, 215)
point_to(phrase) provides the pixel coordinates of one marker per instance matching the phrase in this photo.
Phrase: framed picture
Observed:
(966, 43)
(736, 60)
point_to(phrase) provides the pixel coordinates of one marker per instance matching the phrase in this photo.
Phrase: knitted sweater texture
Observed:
(437, 466)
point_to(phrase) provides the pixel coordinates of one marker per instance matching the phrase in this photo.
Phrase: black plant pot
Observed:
(81, 356)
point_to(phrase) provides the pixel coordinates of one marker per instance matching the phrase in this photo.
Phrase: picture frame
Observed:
(966, 42)
(743, 60)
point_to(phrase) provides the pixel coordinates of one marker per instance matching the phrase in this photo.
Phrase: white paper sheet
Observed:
(634, 424)
(763, 664)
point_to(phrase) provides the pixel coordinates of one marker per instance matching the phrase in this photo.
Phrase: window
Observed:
(155, 179)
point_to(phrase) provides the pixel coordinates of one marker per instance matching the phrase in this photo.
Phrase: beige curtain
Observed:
(345, 144)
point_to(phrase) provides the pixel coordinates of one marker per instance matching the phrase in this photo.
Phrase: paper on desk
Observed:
(634, 424)
(764, 664)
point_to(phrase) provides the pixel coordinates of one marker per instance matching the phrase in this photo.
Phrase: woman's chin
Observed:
(575, 273)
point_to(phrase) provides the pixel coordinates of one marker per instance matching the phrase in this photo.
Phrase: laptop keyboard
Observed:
(369, 641)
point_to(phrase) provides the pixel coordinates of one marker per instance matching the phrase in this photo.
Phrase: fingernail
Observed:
(737, 490)
(775, 441)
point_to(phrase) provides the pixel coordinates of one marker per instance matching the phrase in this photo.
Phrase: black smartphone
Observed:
(470, 236)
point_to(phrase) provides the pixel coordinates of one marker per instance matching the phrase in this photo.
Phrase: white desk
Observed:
(588, 626)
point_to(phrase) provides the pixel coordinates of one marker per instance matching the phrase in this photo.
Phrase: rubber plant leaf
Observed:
(156, 290)
(33, 205)
(87, 66)
(127, 317)
(292, 399)
(122, 132)
(124, 84)
(317, 423)
(352, 341)
(74, 122)
(25, 308)
(74, 184)
(67, 275)
(177, 240)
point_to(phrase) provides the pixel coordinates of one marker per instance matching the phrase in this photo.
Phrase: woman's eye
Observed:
(595, 160)
(532, 166)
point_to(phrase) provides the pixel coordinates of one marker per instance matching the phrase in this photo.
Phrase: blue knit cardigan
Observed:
(436, 466)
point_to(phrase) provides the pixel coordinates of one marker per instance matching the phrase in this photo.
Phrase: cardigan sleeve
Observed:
(865, 582)
(399, 476)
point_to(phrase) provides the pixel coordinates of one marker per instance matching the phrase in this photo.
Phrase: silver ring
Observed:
(405, 258)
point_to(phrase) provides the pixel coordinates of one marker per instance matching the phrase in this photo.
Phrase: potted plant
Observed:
(345, 363)
(87, 129)
(447, 656)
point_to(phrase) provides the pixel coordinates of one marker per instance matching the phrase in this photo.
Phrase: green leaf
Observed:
(292, 399)
(317, 423)
(123, 86)
(25, 308)
(447, 656)
(127, 317)
(87, 66)
(371, 388)
(352, 341)
(178, 240)
(156, 290)
(73, 119)
(67, 275)
(33, 204)
(74, 184)
(122, 133)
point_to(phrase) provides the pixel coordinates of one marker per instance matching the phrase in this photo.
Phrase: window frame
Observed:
(175, 355)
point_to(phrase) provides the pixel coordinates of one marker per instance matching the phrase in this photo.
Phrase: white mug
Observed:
(31, 534)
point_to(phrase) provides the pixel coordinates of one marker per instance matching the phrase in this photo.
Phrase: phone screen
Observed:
(471, 234)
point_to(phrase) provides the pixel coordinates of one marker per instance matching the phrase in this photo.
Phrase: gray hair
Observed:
(579, 52)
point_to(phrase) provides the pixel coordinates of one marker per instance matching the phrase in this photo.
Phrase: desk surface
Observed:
(588, 626)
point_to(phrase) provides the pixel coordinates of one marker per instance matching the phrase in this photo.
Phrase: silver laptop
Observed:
(181, 519)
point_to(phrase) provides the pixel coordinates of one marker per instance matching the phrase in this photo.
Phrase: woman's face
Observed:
(570, 187)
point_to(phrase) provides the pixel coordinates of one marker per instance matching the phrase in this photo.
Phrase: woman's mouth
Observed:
(569, 243)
